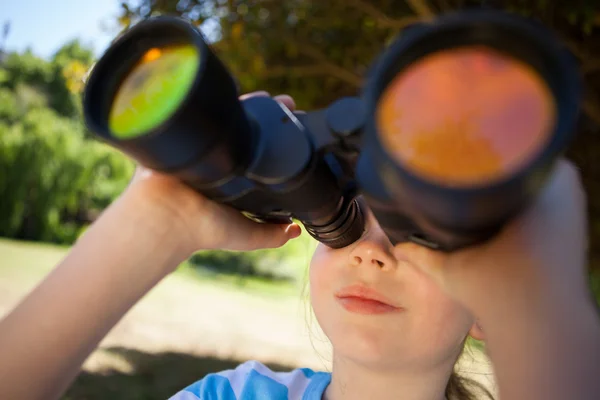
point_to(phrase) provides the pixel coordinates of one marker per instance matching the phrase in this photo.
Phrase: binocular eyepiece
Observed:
(456, 131)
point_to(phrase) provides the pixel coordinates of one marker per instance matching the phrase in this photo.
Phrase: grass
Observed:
(24, 264)
(132, 370)
(262, 286)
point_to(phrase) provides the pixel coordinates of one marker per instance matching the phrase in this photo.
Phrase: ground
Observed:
(187, 326)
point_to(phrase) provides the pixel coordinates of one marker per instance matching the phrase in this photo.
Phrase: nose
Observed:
(369, 252)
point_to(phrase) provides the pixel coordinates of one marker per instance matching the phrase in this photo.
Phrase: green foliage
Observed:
(53, 180)
(60, 80)
(69, 66)
(289, 262)
(9, 109)
(25, 68)
(319, 51)
(73, 51)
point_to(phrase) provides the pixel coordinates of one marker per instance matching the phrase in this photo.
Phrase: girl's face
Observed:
(381, 311)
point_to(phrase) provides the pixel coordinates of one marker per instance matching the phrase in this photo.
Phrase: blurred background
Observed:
(219, 308)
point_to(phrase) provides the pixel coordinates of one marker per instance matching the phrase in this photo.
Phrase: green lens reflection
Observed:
(153, 90)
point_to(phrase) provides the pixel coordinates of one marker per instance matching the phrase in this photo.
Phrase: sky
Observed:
(45, 25)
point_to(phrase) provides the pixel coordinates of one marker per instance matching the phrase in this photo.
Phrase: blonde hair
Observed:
(460, 387)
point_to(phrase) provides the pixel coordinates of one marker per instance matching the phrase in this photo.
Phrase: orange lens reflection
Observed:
(466, 116)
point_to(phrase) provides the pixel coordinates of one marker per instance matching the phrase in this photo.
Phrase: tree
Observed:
(53, 179)
(59, 81)
(69, 66)
(319, 51)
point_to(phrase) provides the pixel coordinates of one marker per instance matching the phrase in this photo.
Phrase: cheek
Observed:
(325, 275)
(438, 317)
(321, 277)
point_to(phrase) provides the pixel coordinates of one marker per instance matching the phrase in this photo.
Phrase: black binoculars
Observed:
(457, 128)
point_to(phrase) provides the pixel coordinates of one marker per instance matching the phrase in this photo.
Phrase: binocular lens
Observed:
(467, 116)
(153, 90)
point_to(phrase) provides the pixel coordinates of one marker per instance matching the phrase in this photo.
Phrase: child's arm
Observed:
(44, 341)
(139, 239)
(528, 289)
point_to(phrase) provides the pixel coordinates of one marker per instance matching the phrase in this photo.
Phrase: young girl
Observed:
(397, 317)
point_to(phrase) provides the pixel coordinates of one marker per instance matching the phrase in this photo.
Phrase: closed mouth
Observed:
(364, 300)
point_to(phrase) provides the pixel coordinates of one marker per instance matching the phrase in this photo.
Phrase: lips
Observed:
(364, 300)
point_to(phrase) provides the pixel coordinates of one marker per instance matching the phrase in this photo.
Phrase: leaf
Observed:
(258, 64)
(236, 30)
(74, 74)
(4, 75)
(292, 50)
(572, 17)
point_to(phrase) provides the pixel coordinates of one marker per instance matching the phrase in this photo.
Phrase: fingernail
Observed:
(286, 100)
(260, 93)
(293, 231)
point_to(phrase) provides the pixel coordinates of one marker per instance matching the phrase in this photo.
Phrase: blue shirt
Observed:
(254, 381)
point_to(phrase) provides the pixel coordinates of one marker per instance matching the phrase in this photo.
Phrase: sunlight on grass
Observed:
(244, 283)
(24, 264)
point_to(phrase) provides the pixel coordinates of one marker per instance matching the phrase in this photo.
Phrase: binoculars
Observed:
(456, 131)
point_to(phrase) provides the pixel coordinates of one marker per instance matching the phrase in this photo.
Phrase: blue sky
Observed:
(44, 25)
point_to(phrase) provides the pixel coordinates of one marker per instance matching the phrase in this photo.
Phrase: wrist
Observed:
(136, 224)
(543, 311)
(161, 208)
(556, 344)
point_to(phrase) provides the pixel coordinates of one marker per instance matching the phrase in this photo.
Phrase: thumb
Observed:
(253, 235)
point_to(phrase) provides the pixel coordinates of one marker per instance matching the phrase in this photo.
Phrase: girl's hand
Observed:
(199, 222)
(541, 254)
(527, 287)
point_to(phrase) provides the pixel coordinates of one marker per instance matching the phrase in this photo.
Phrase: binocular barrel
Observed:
(456, 131)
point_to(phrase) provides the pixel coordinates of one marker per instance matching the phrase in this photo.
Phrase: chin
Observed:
(372, 346)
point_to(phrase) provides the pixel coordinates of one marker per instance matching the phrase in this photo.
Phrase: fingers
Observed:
(260, 93)
(233, 231)
(256, 236)
(268, 236)
(284, 99)
(139, 174)
(287, 101)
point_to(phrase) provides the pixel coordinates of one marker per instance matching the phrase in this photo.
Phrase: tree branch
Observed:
(591, 103)
(590, 67)
(445, 6)
(591, 106)
(342, 73)
(421, 8)
(575, 48)
(303, 70)
(317, 55)
(383, 20)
